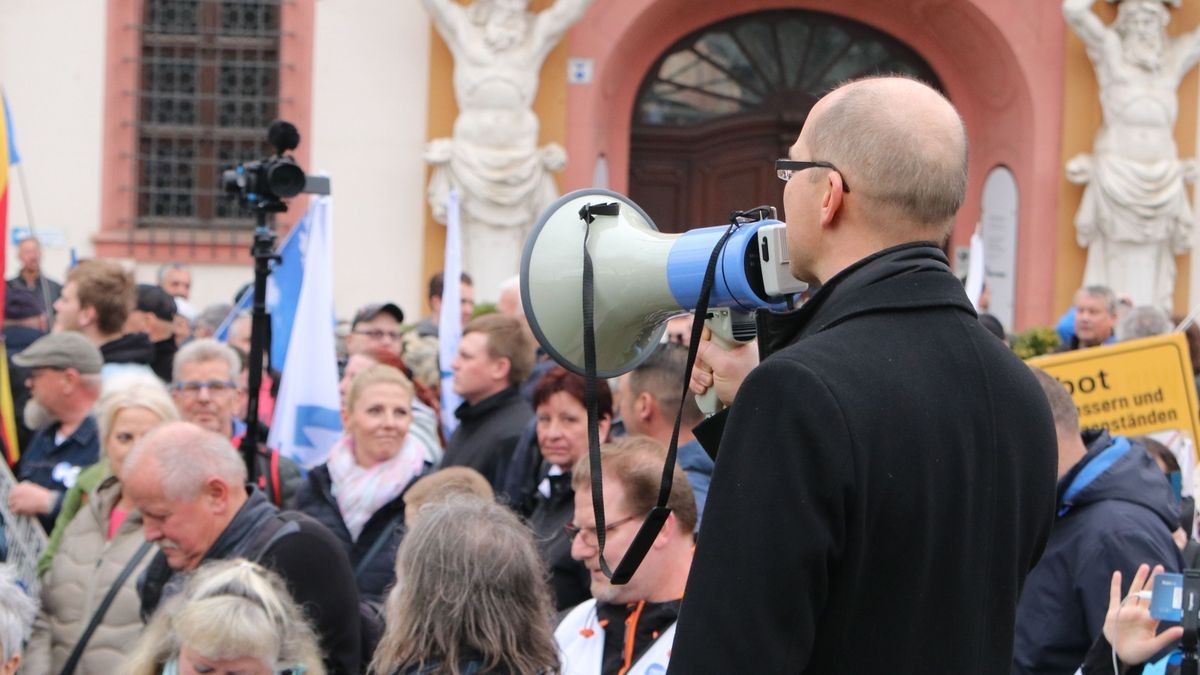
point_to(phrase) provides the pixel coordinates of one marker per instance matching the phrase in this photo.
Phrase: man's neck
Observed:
(30, 276)
(674, 575)
(70, 421)
(477, 399)
(99, 339)
(662, 432)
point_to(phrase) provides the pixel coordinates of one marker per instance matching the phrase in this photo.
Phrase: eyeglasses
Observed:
(194, 387)
(379, 334)
(785, 168)
(589, 533)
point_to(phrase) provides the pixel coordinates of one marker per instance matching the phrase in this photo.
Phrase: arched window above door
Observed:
(766, 62)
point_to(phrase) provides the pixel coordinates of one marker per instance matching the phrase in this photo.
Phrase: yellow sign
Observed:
(1131, 388)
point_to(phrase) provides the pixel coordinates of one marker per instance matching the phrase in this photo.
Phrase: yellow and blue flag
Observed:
(8, 157)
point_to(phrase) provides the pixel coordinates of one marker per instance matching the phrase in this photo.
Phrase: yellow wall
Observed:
(550, 107)
(1081, 120)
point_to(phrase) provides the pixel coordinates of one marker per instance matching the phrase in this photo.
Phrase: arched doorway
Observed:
(720, 105)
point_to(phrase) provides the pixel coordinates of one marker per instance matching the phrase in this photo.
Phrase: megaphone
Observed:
(641, 278)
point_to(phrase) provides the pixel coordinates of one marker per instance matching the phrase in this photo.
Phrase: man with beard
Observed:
(595, 636)
(1135, 214)
(493, 159)
(64, 383)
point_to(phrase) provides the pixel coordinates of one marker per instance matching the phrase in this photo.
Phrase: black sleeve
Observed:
(319, 576)
(773, 526)
(1099, 660)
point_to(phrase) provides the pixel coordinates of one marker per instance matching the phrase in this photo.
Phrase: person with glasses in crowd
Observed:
(232, 617)
(885, 478)
(204, 385)
(97, 538)
(628, 628)
(376, 326)
(64, 382)
(562, 439)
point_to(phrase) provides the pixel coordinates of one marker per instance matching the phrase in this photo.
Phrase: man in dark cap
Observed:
(376, 326)
(64, 380)
(154, 315)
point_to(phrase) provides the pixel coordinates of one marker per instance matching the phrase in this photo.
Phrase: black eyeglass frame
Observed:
(785, 168)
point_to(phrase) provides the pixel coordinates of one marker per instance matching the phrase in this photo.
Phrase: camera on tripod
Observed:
(265, 183)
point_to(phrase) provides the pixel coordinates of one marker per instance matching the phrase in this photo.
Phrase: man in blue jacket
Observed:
(1115, 510)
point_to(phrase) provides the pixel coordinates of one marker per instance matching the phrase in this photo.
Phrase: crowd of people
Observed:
(865, 502)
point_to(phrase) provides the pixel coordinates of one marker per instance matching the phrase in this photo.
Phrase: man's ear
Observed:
(216, 493)
(831, 201)
(501, 367)
(644, 406)
(86, 316)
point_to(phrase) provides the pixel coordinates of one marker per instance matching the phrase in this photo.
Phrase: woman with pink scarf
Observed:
(357, 493)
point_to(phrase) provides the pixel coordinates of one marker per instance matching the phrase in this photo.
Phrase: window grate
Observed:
(209, 87)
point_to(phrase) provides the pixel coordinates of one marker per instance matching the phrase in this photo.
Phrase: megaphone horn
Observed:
(641, 277)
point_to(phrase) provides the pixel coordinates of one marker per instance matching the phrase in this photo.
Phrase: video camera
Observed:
(265, 183)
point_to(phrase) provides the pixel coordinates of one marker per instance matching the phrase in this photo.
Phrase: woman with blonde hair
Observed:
(233, 616)
(470, 596)
(89, 601)
(358, 492)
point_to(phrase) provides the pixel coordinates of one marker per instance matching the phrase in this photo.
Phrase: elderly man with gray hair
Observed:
(17, 611)
(190, 486)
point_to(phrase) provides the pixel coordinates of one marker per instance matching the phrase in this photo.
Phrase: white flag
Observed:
(450, 319)
(307, 418)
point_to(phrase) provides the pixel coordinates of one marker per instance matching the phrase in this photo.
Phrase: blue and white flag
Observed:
(283, 292)
(307, 418)
(450, 319)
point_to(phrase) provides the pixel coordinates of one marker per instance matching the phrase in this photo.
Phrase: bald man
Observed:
(885, 477)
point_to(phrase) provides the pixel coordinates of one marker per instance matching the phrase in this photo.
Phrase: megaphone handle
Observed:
(720, 322)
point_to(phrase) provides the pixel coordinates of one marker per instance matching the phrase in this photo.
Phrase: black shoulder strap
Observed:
(98, 615)
(377, 546)
(282, 525)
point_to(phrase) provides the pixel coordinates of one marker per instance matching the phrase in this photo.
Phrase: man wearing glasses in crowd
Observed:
(627, 628)
(205, 390)
(885, 478)
(376, 326)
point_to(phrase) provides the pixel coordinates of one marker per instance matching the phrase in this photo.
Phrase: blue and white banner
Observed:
(450, 319)
(307, 412)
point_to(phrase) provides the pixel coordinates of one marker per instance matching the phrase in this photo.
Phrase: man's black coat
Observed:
(883, 487)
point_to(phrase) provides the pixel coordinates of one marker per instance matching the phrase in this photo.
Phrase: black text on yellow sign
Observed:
(1130, 388)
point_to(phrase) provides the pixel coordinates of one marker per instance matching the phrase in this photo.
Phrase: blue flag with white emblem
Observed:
(307, 420)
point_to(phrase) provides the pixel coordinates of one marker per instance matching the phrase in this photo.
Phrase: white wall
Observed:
(52, 71)
(370, 95)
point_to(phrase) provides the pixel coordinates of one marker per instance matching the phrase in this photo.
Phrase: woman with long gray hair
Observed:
(470, 596)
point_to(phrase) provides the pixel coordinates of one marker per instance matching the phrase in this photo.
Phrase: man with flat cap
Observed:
(65, 381)
(885, 478)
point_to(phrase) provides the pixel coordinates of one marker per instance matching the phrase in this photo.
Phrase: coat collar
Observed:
(915, 275)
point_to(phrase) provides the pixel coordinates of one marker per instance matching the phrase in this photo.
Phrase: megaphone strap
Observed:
(653, 523)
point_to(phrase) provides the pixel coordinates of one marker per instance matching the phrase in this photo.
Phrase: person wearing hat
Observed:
(24, 323)
(376, 326)
(154, 315)
(64, 380)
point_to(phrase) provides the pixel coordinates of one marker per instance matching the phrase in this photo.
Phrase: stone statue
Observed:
(504, 179)
(1135, 216)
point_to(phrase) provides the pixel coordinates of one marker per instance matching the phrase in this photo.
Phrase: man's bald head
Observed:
(183, 456)
(899, 143)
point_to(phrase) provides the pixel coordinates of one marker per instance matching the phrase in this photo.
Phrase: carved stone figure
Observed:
(1135, 215)
(504, 179)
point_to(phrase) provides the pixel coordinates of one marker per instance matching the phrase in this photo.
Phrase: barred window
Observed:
(209, 72)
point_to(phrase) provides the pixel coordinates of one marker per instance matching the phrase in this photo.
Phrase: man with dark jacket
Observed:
(885, 479)
(96, 301)
(190, 486)
(494, 357)
(1115, 511)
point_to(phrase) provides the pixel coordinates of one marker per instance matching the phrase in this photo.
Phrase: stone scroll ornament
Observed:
(1135, 216)
(505, 180)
